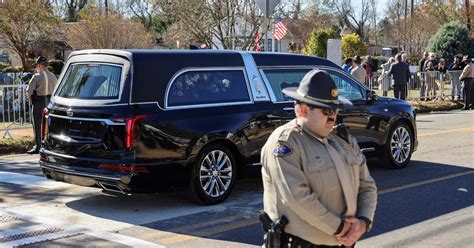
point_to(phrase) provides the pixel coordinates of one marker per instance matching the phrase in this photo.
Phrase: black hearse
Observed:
(143, 120)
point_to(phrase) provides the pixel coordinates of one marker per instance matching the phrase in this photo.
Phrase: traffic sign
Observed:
(267, 6)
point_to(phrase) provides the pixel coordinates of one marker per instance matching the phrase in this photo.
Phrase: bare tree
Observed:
(111, 31)
(356, 20)
(230, 23)
(24, 23)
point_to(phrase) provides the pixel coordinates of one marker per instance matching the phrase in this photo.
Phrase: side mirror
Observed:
(372, 96)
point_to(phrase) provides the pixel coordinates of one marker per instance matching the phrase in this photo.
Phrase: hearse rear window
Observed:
(91, 81)
(208, 87)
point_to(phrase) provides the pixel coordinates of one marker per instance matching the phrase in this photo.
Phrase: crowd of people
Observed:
(396, 74)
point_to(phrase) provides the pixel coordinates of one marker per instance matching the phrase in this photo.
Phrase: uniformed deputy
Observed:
(40, 88)
(314, 177)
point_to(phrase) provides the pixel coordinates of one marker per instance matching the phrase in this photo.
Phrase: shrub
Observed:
(378, 61)
(318, 42)
(353, 45)
(55, 66)
(451, 39)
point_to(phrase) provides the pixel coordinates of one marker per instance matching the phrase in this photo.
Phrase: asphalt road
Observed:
(428, 204)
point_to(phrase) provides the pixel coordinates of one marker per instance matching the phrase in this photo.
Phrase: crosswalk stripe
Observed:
(41, 238)
(17, 231)
(29, 180)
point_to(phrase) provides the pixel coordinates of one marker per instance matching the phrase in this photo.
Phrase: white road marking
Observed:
(29, 180)
(73, 229)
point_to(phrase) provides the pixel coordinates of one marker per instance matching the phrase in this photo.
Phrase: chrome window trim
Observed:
(191, 69)
(107, 121)
(89, 102)
(255, 79)
(293, 67)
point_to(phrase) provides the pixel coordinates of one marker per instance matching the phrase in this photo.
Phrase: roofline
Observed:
(115, 52)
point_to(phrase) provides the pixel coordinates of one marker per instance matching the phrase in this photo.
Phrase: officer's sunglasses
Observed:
(325, 111)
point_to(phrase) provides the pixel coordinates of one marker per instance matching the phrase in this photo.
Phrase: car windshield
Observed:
(91, 81)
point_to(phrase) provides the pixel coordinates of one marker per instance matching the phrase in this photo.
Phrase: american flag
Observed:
(257, 42)
(279, 30)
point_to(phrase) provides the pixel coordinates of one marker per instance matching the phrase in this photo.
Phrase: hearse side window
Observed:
(347, 87)
(208, 87)
(283, 78)
(91, 81)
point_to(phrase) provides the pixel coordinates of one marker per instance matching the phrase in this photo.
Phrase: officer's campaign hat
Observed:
(318, 90)
(41, 60)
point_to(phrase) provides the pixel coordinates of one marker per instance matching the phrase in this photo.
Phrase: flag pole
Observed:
(273, 38)
(267, 17)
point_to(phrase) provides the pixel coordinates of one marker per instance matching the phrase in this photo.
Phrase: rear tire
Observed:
(396, 153)
(213, 175)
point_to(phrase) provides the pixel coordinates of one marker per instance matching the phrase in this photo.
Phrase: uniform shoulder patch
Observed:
(282, 150)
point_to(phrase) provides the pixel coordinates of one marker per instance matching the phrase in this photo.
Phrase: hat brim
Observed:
(340, 103)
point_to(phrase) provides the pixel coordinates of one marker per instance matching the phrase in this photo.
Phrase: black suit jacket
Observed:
(400, 72)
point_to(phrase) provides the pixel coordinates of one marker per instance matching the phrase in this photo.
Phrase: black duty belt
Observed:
(292, 241)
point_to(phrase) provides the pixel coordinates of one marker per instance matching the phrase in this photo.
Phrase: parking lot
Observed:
(428, 204)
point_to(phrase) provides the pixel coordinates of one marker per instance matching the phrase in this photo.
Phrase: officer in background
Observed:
(39, 90)
(314, 177)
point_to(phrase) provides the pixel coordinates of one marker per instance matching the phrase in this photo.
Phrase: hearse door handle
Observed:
(288, 109)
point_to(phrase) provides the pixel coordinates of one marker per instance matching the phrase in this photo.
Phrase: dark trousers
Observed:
(468, 93)
(291, 241)
(400, 91)
(38, 105)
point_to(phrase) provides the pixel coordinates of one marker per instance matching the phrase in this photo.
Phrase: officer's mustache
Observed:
(330, 119)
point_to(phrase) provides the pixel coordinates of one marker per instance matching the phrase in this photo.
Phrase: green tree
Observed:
(451, 39)
(318, 42)
(24, 23)
(353, 45)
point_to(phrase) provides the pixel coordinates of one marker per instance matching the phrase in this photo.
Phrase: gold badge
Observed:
(334, 92)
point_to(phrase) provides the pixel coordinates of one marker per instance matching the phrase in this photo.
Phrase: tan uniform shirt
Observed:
(359, 73)
(43, 82)
(304, 186)
(467, 72)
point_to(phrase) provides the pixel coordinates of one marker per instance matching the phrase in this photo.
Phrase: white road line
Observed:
(29, 180)
(4, 234)
(71, 228)
(445, 114)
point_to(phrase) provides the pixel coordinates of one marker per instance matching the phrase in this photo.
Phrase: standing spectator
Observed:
(453, 69)
(386, 81)
(317, 178)
(348, 65)
(39, 90)
(467, 77)
(358, 71)
(430, 78)
(432, 59)
(421, 69)
(442, 68)
(401, 74)
(368, 66)
(421, 63)
(405, 58)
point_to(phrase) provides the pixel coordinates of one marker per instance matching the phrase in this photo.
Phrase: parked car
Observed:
(142, 121)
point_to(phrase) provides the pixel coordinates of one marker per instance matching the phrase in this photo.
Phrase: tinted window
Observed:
(91, 81)
(280, 79)
(207, 87)
(347, 87)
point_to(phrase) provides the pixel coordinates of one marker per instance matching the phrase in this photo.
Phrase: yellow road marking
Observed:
(466, 129)
(214, 230)
(412, 185)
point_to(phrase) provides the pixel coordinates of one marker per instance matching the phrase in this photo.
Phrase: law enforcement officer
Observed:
(317, 178)
(39, 90)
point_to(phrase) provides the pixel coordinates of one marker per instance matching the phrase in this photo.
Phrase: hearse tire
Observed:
(213, 175)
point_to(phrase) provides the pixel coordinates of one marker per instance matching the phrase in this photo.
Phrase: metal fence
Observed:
(428, 85)
(15, 109)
